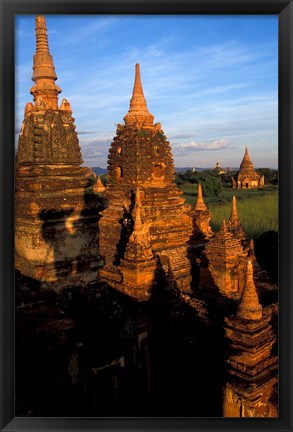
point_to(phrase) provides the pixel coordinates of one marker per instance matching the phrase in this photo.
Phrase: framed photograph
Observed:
(146, 191)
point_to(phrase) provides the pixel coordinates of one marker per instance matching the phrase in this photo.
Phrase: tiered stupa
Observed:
(140, 157)
(252, 367)
(56, 217)
(139, 264)
(247, 177)
(226, 262)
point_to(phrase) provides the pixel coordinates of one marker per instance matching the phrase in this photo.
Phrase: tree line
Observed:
(212, 182)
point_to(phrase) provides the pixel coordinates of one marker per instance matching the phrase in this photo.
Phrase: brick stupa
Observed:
(140, 157)
(247, 177)
(226, 262)
(98, 187)
(139, 263)
(56, 217)
(249, 308)
(251, 363)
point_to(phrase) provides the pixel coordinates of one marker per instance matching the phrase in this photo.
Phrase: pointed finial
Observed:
(137, 197)
(249, 307)
(140, 230)
(45, 91)
(234, 224)
(234, 214)
(137, 219)
(137, 88)
(199, 205)
(224, 226)
(137, 211)
(41, 35)
(138, 102)
(251, 252)
(138, 110)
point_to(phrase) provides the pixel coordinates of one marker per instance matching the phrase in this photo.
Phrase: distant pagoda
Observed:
(218, 169)
(247, 177)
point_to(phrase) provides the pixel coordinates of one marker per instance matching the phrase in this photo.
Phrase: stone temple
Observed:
(247, 177)
(127, 303)
(141, 175)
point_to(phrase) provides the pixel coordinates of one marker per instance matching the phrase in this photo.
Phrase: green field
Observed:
(257, 209)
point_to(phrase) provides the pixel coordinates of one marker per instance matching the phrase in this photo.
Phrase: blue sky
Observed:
(211, 81)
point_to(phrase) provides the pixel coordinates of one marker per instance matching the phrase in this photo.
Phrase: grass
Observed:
(257, 209)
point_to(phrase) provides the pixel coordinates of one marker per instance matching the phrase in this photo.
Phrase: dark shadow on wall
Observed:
(266, 251)
(46, 318)
(127, 225)
(187, 355)
(92, 351)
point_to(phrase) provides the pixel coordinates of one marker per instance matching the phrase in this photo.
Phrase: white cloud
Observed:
(219, 144)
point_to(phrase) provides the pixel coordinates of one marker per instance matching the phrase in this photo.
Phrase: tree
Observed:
(226, 179)
(271, 175)
(211, 186)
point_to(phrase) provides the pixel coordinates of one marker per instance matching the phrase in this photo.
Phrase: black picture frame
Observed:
(284, 10)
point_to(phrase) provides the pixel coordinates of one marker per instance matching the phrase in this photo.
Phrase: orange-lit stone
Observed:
(140, 157)
(249, 308)
(226, 262)
(98, 186)
(234, 224)
(56, 238)
(247, 177)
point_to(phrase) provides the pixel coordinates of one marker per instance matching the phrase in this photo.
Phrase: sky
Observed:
(211, 81)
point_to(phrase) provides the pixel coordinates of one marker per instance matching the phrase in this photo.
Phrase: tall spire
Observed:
(234, 224)
(249, 307)
(138, 110)
(137, 101)
(224, 228)
(234, 214)
(41, 35)
(45, 91)
(199, 205)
